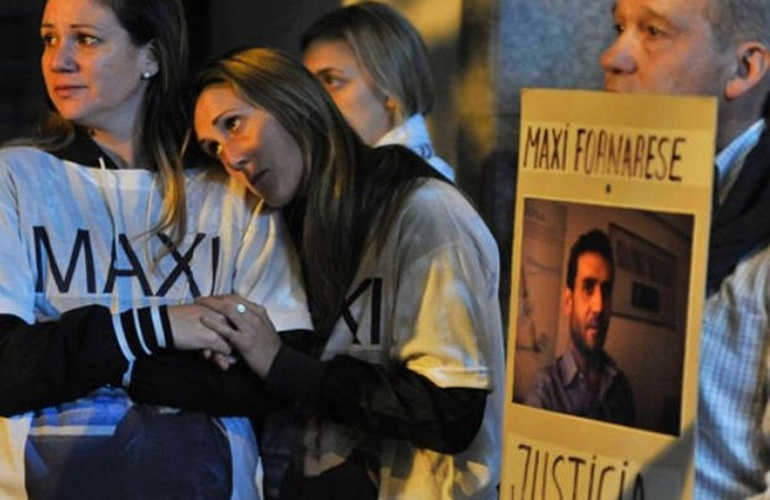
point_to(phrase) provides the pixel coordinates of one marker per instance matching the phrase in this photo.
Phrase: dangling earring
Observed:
(146, 75)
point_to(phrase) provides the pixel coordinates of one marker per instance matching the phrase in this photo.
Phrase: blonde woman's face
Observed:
(351, 87)
(250, 143)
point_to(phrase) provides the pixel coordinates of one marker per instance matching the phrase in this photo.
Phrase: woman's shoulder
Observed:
(440, 208)
(436, 195)
(21, 156)
(22, 152)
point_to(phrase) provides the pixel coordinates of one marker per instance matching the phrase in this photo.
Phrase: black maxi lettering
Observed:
(135, 270)
(182, 265)
(82, 244)
(215, 251)
(376, 310)
(376, 298)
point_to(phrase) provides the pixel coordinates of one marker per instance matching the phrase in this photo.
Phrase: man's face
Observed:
(589, 305)
(666, 47)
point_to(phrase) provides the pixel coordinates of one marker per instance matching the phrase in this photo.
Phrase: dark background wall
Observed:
(20, 84)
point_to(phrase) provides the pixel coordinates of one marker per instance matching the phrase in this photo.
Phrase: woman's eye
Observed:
(49, 40)
(232, 123)
(86, 39)
(331, 82)
(213, 149)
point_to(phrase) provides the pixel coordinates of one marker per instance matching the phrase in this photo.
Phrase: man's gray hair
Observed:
(738, 21)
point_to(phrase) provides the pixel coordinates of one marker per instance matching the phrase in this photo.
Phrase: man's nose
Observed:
(598, 301)
(619, 58)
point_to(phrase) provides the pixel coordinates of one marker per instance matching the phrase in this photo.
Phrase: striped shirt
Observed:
(733, 440)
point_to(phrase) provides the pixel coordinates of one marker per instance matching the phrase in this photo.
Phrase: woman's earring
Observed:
(146, 75)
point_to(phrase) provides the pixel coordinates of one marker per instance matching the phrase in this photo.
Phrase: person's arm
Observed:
(52, 362)
(189, 381)
(57, 361)
(398, 404)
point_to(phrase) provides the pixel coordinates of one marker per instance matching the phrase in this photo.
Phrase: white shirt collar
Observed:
(730, 160)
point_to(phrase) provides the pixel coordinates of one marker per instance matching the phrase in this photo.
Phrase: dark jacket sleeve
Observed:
(395, 403)
(187, 380)
(53, 362)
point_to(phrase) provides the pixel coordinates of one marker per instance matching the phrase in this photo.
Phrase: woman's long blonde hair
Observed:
(350, 197)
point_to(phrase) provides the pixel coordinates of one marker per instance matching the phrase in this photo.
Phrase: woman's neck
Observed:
(119, 147)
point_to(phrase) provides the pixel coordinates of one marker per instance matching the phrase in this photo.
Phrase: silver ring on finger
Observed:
(240, 309)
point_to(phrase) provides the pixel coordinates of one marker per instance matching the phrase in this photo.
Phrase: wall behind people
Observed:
(235, 23)
(21, 86)
(505, 46)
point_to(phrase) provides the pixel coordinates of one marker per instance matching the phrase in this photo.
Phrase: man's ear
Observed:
(753, 61)
(567, 299)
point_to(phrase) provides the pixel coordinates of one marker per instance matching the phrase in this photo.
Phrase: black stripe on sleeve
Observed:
(147, 330)
(166, 326)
